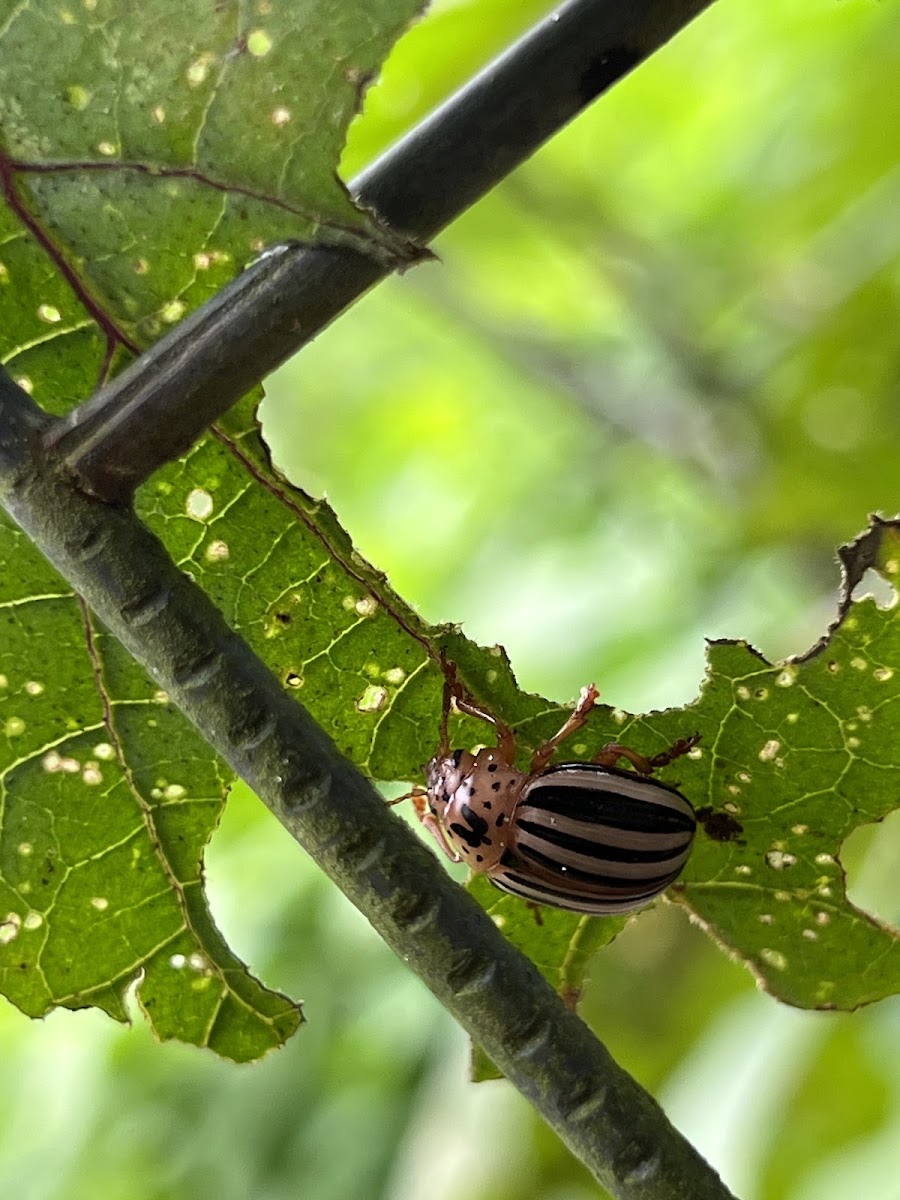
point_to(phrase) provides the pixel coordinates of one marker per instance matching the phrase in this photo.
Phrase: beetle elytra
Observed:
(583, 836)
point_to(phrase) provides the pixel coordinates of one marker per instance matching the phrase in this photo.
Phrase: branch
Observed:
(157, 408)
(173, 629)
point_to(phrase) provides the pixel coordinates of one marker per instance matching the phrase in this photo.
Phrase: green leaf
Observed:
(108, 799)
(148, 153)
(285, 573)
(795, 757)
(151, 151)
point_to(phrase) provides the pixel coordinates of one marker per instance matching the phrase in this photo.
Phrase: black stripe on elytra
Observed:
(592, 768)
(607, 808)
(596, 847)
(522, 885)
(549, 863)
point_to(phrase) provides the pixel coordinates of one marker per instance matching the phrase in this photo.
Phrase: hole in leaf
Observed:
(880, 589)
(870, 855)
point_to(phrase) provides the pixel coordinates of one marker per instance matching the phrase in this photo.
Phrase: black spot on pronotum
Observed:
(719, 826)
(474, 832)
(492, 767)
(611, 65)
(495, 787)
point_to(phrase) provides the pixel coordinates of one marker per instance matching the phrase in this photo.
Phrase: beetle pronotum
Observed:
(584, 836)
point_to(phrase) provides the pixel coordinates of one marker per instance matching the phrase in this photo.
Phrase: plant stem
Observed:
(158, 407)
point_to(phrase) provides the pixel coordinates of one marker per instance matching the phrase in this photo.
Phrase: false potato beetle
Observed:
(583, 836)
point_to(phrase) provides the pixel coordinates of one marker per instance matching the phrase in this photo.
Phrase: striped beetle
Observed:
(584, 836)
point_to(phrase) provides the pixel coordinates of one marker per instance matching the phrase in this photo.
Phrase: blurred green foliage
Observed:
(650, 388)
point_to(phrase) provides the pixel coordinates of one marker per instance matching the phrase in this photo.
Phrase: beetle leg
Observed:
(676, 750)
(434, 827)
(419, 797)
(577, 718)
(611, 753)
(506, 742)
(415, 794)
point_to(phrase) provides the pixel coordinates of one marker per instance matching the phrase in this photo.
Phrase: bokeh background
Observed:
(651, 386)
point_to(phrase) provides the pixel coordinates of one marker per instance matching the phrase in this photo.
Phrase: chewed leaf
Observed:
(147, 153)
(792, 757)
(108, 799)
(150, 151)
(795, 757)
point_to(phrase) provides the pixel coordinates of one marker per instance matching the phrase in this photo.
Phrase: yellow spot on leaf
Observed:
(199, 504)
(79, 97)
(199, 69)
(173, 311)
(372, 699)
(259, 43)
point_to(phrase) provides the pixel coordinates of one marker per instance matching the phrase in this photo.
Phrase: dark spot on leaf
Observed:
(720, 826)
(283, 618)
